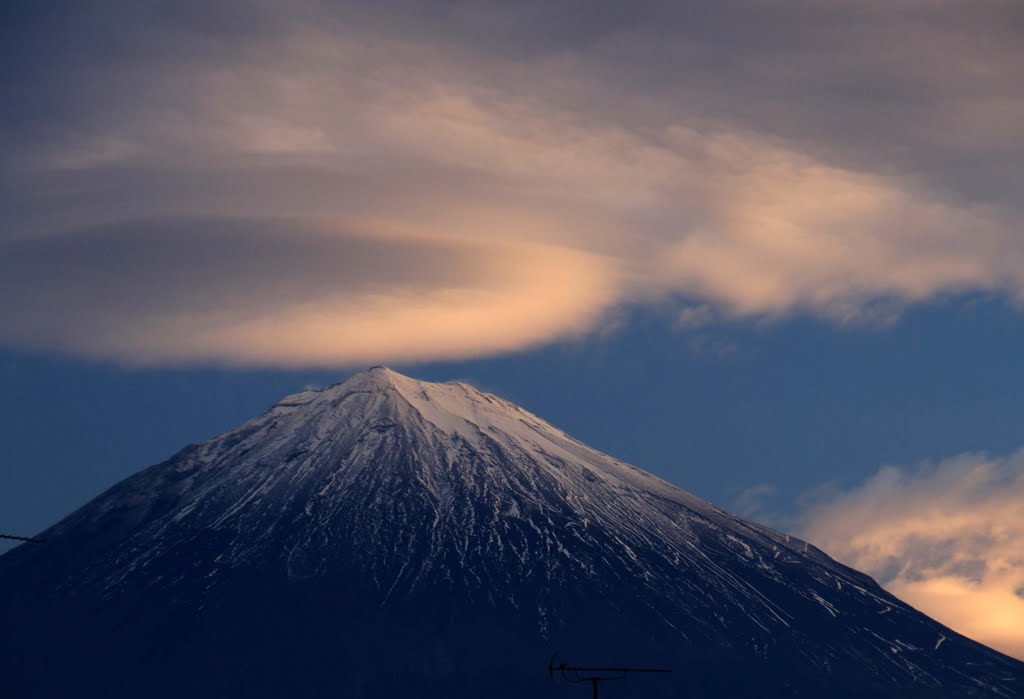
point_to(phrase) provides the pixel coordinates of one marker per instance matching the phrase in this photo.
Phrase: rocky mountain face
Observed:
(387, 536)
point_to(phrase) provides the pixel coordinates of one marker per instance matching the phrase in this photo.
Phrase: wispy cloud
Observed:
(751, 502)
(947, 537)
(758, 163)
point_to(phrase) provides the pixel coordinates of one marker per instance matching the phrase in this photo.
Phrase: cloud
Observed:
(692, 317)
(781, 232)
(751, 502)
(948, 538)
(756, 163)
(232, 291)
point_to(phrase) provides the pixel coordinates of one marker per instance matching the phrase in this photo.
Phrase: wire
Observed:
(13, 537)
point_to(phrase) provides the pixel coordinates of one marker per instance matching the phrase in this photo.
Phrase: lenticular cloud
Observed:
(240, 291)
(539, 174)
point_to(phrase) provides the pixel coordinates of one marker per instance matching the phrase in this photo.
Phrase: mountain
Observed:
(387, 536)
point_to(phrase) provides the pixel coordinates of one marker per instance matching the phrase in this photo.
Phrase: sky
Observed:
(771, 252)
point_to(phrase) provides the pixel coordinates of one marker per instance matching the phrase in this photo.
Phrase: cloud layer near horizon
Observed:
(948, 538)
(417, 181)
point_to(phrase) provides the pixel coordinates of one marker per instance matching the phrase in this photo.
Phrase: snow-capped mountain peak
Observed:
(398, 515)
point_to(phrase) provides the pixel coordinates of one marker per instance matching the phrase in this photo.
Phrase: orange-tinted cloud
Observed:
(948, 538)
(601, 155)
(779, 231)
(232, 291)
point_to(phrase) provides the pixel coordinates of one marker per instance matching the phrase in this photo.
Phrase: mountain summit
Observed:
(387, 535)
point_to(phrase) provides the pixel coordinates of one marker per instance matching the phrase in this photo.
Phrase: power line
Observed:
(13, 537)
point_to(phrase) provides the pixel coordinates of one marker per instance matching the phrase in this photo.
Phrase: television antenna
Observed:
(594, 675)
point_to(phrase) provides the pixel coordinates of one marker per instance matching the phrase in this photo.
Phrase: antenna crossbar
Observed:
(595, 675)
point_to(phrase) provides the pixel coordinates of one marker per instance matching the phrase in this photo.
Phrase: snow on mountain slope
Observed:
(393, 494)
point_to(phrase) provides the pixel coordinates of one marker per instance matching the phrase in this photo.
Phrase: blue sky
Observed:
(770, 252)
(798, 405)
